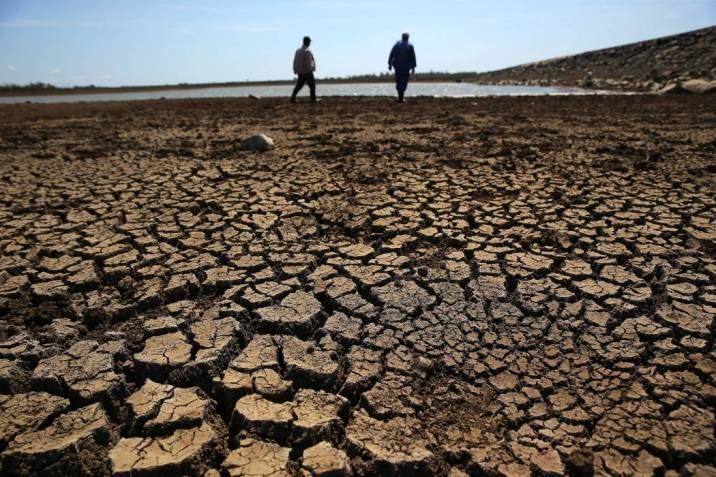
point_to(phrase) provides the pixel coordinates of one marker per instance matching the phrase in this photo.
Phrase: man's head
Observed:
(306, 41)
(406, 35)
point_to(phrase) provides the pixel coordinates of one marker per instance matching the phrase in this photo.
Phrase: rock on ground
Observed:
(258, 142)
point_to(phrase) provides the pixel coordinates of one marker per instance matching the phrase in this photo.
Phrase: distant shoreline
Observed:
(180, 87)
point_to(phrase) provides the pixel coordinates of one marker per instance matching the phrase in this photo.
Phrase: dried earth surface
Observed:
(503, 286)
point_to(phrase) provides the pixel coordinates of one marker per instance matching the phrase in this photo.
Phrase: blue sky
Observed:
(130, 42)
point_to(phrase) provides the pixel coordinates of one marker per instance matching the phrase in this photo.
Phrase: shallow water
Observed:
(455, 90)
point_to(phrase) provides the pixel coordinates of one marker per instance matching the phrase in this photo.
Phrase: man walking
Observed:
(304, 65)
(402, 58)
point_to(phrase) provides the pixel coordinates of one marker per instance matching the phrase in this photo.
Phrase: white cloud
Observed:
(11, 67)
(56, 71)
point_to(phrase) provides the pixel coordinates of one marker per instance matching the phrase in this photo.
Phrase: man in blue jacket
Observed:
(402, 58)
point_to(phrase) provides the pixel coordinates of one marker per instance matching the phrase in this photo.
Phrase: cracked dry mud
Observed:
(504, 286)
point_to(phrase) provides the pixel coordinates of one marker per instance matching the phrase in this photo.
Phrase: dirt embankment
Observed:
(644, 66)
(504, 286)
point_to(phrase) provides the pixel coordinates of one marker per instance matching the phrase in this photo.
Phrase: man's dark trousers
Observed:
(303, 79)
(401, 82)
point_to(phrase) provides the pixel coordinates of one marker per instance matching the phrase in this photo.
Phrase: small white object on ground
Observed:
(258, 142)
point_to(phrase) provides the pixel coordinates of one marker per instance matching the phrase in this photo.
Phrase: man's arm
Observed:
(313, 61)
(295, 63)
(413, 63)
(391, 58)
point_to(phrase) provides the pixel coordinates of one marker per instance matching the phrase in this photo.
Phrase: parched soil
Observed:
(502, 286)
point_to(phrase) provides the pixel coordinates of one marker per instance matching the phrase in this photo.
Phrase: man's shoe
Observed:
(293, 100)
(315, 100)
